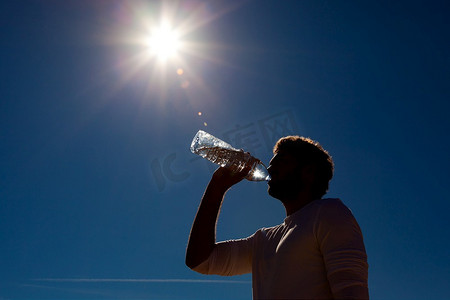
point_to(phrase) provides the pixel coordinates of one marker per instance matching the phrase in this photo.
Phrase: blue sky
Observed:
(98, 188)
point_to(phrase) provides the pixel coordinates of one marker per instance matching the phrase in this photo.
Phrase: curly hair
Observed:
(307, 151)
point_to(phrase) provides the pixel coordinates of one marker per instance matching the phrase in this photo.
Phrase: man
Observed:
(316, 253)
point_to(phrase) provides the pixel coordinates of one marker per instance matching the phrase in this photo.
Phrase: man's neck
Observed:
(297, 203)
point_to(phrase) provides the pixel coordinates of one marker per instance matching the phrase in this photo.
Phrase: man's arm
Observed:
(344, 254)
(202, 239)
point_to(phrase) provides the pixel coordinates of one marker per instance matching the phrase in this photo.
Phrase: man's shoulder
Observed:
(269, 232)
(330, 203)
(333, 208)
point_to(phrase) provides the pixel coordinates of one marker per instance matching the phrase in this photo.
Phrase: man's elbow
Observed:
(196, 258)
(199, 267)
(190, 263)
(348, 284)
(193, 261)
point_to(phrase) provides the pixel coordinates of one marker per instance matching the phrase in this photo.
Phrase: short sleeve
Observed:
(341, 243)
(233, 257)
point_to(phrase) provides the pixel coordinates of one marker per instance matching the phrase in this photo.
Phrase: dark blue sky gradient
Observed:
(98, 188)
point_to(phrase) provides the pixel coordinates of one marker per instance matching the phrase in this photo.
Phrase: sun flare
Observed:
(164, 42)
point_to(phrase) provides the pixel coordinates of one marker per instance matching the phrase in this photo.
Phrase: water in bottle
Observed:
(223, 154)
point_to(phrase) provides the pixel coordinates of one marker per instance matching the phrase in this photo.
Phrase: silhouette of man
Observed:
(316, 253)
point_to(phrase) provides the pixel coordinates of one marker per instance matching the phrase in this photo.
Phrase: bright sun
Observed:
(157, 45)
(164, 42)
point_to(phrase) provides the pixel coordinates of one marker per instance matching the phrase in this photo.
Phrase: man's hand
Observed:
(225, 178)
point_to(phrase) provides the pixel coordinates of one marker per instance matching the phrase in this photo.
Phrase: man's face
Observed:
(285, 181)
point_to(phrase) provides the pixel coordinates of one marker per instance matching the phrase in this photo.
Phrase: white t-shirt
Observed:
(317, 253)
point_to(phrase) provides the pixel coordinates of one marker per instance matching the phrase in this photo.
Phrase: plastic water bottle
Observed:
(223, 154)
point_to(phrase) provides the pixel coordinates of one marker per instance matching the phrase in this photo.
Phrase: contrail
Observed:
(140, 280)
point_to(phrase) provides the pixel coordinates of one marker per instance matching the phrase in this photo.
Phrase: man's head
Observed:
(299, 163)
